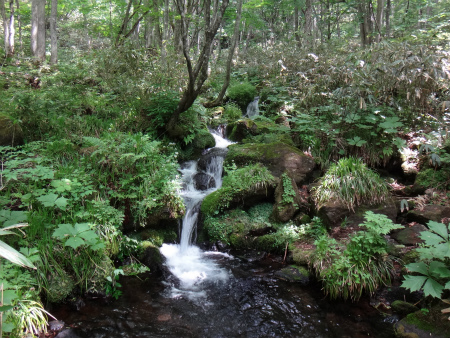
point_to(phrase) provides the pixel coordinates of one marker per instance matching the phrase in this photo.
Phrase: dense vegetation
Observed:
(91, 142)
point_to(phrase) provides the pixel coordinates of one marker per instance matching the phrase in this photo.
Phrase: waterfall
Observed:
(186, 261)
(253, 108)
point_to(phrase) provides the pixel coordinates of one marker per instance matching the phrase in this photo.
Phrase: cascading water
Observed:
(190, 265)
(253, 108)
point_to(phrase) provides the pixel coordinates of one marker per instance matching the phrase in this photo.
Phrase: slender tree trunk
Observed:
(388, 18)
(53, 33)
(19, 25)
(231, 50)
(166, 32)
(308, 20)
(12, 29)
(198, 73)
(296, 26)
(5, 26)
(38, 29)
(379, 19)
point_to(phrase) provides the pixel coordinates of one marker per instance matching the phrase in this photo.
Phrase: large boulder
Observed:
(10, 133)
(244, 128)
(288, 200)
(428, 213)
(278, 157)
(334, 213)
(410, 234)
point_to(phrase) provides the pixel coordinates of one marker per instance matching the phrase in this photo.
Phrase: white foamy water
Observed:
(190, 265)
(193, 268)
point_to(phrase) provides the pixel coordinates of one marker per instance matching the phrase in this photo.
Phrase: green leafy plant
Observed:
(78, 235)
(242, 94)
(113, 285)
(350, 182)
(288, 191)
(347, 271)
(432, 272)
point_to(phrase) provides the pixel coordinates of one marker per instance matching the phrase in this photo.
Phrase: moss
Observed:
(158, 236)
(236, 185)
(60, 285)
(244, 154)
(431, 178)
(301, 256)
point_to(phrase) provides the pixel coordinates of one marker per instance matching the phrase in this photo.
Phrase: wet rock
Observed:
(204, 181)
(67, 333)
(423, 325)
(278, 157)
(334, 213)
(153, 259)
(205, 159)
(244, 128)
(410, 234)
(56, 325)
(297, 274)
(403, 308)
(428, 213)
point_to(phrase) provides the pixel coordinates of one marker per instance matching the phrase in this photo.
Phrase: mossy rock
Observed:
(10, 133)
(243, 128)
(278, 157)
(403, 308)
(60, 286)
(420, 324)
(301, 255)
(295, 274)
(243, 187)
(152, 258)
(159, 236)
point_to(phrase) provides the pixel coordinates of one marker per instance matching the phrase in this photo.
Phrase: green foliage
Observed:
(232, 112)
(242, 94)
(237, 184)
(78, 235)
(288, 191)
(351, 183)
(432, 271)
(113, 285)
(432, 178)
(315, 229)
(361, 265)
(161, 107)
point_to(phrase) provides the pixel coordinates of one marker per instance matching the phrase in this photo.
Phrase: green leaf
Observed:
(48, 200)
(61, 203)
(14, 256)
(74, 242)
(81, 227)
(438, 228)
(64, 230)
(9, 296)
(419, 267)
(8, 217)
(430, 238)
(433, 288)
(414, 283)
(89, 236)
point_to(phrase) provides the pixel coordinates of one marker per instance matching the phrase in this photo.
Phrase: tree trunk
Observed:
(53, 33)
(11, 30)
(19, 24)
(231, 50)
(365, 22)
(198, 73)
(296, 26)
(388, 18)
(379, 19)
(38, 29)
(5, 26)
(308, 18)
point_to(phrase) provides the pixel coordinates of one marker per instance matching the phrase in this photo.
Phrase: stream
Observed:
(208, 294)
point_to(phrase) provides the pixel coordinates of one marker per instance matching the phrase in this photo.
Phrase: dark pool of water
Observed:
(251, 304)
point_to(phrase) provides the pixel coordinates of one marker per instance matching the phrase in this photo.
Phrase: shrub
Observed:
(361, 265)
(242, 94)
(232, 112)
(351, 183)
